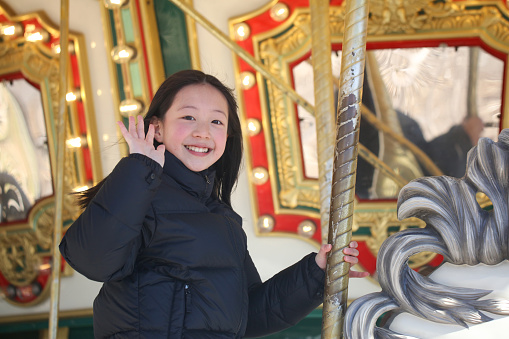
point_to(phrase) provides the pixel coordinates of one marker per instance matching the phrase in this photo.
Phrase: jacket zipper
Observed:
(187, 293)
(207, 183)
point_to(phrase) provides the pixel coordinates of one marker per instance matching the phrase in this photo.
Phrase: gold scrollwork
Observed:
(18, 261)
(397, 16)
(294, 190)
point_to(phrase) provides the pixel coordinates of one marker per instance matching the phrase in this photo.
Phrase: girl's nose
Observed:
(202, 130)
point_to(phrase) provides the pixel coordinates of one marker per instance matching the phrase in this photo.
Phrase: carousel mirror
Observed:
(444, 99)
(24, 161)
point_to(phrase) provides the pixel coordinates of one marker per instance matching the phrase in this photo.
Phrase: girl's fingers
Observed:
(132, 126)
(351, 251)
(351, 260)
(121, 126)
(150, 134)
(357, 274)
(141, 127)
(123, 130)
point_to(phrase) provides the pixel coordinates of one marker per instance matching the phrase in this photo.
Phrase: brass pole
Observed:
(324, 103)
(473, 64)
(248, 58)
(345, 166)
(59, 176)
(193, 38)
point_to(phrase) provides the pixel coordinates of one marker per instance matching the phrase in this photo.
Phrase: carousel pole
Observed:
(345, 166)
(324, 103)
(59, 177)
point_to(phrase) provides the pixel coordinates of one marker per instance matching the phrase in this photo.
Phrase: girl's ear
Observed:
(158, 129)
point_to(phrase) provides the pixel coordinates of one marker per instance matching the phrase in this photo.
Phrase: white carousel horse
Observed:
(469, 293)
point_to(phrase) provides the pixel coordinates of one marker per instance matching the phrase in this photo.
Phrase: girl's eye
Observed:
(217, 122)
(188, 117)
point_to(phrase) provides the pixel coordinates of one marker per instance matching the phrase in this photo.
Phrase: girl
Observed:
(161, 234)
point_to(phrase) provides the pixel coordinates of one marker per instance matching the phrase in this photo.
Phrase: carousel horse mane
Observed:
(456, 228)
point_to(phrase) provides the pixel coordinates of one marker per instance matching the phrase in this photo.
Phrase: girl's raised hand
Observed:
(350, 253)
(139, 142)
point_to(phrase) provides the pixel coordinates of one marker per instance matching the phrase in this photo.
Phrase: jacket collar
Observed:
(198, 184)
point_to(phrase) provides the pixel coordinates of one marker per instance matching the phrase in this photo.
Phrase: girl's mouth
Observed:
(198, 149)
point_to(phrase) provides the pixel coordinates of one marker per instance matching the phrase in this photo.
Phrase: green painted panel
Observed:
(134, 69)
(112, 25)
(171, 24)
(118, 69)
(308, 328)
(128, 25)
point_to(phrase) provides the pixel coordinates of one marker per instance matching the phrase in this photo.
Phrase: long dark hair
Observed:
(228, 166)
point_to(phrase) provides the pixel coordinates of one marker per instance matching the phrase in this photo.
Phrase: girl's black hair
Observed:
(228, 166)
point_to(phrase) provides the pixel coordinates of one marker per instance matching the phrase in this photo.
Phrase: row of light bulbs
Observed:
(30, 32)
(279, 12)
(266, 223)
(260, 176)
(123, 54)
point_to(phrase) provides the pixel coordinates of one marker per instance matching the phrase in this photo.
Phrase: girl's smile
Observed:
(194, 128)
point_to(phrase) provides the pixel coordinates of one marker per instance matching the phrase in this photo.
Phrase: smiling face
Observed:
(194, 129)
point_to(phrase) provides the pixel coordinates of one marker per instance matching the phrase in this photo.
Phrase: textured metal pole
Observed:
(324, 103)
(473, 65)
(59, 177)
(345, 166)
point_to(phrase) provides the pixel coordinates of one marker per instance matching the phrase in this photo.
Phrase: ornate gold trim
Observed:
(252, 14)
(505, 113)
(291, 42)
(88, 103)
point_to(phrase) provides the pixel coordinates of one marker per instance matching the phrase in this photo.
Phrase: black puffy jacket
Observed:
(174, 260)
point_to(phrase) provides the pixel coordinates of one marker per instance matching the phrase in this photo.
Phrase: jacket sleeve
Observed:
(285, 299)
(103, 243)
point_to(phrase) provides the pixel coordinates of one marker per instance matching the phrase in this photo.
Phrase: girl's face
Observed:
(194, 129)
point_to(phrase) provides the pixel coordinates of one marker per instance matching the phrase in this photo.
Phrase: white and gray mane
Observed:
(458, 229)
